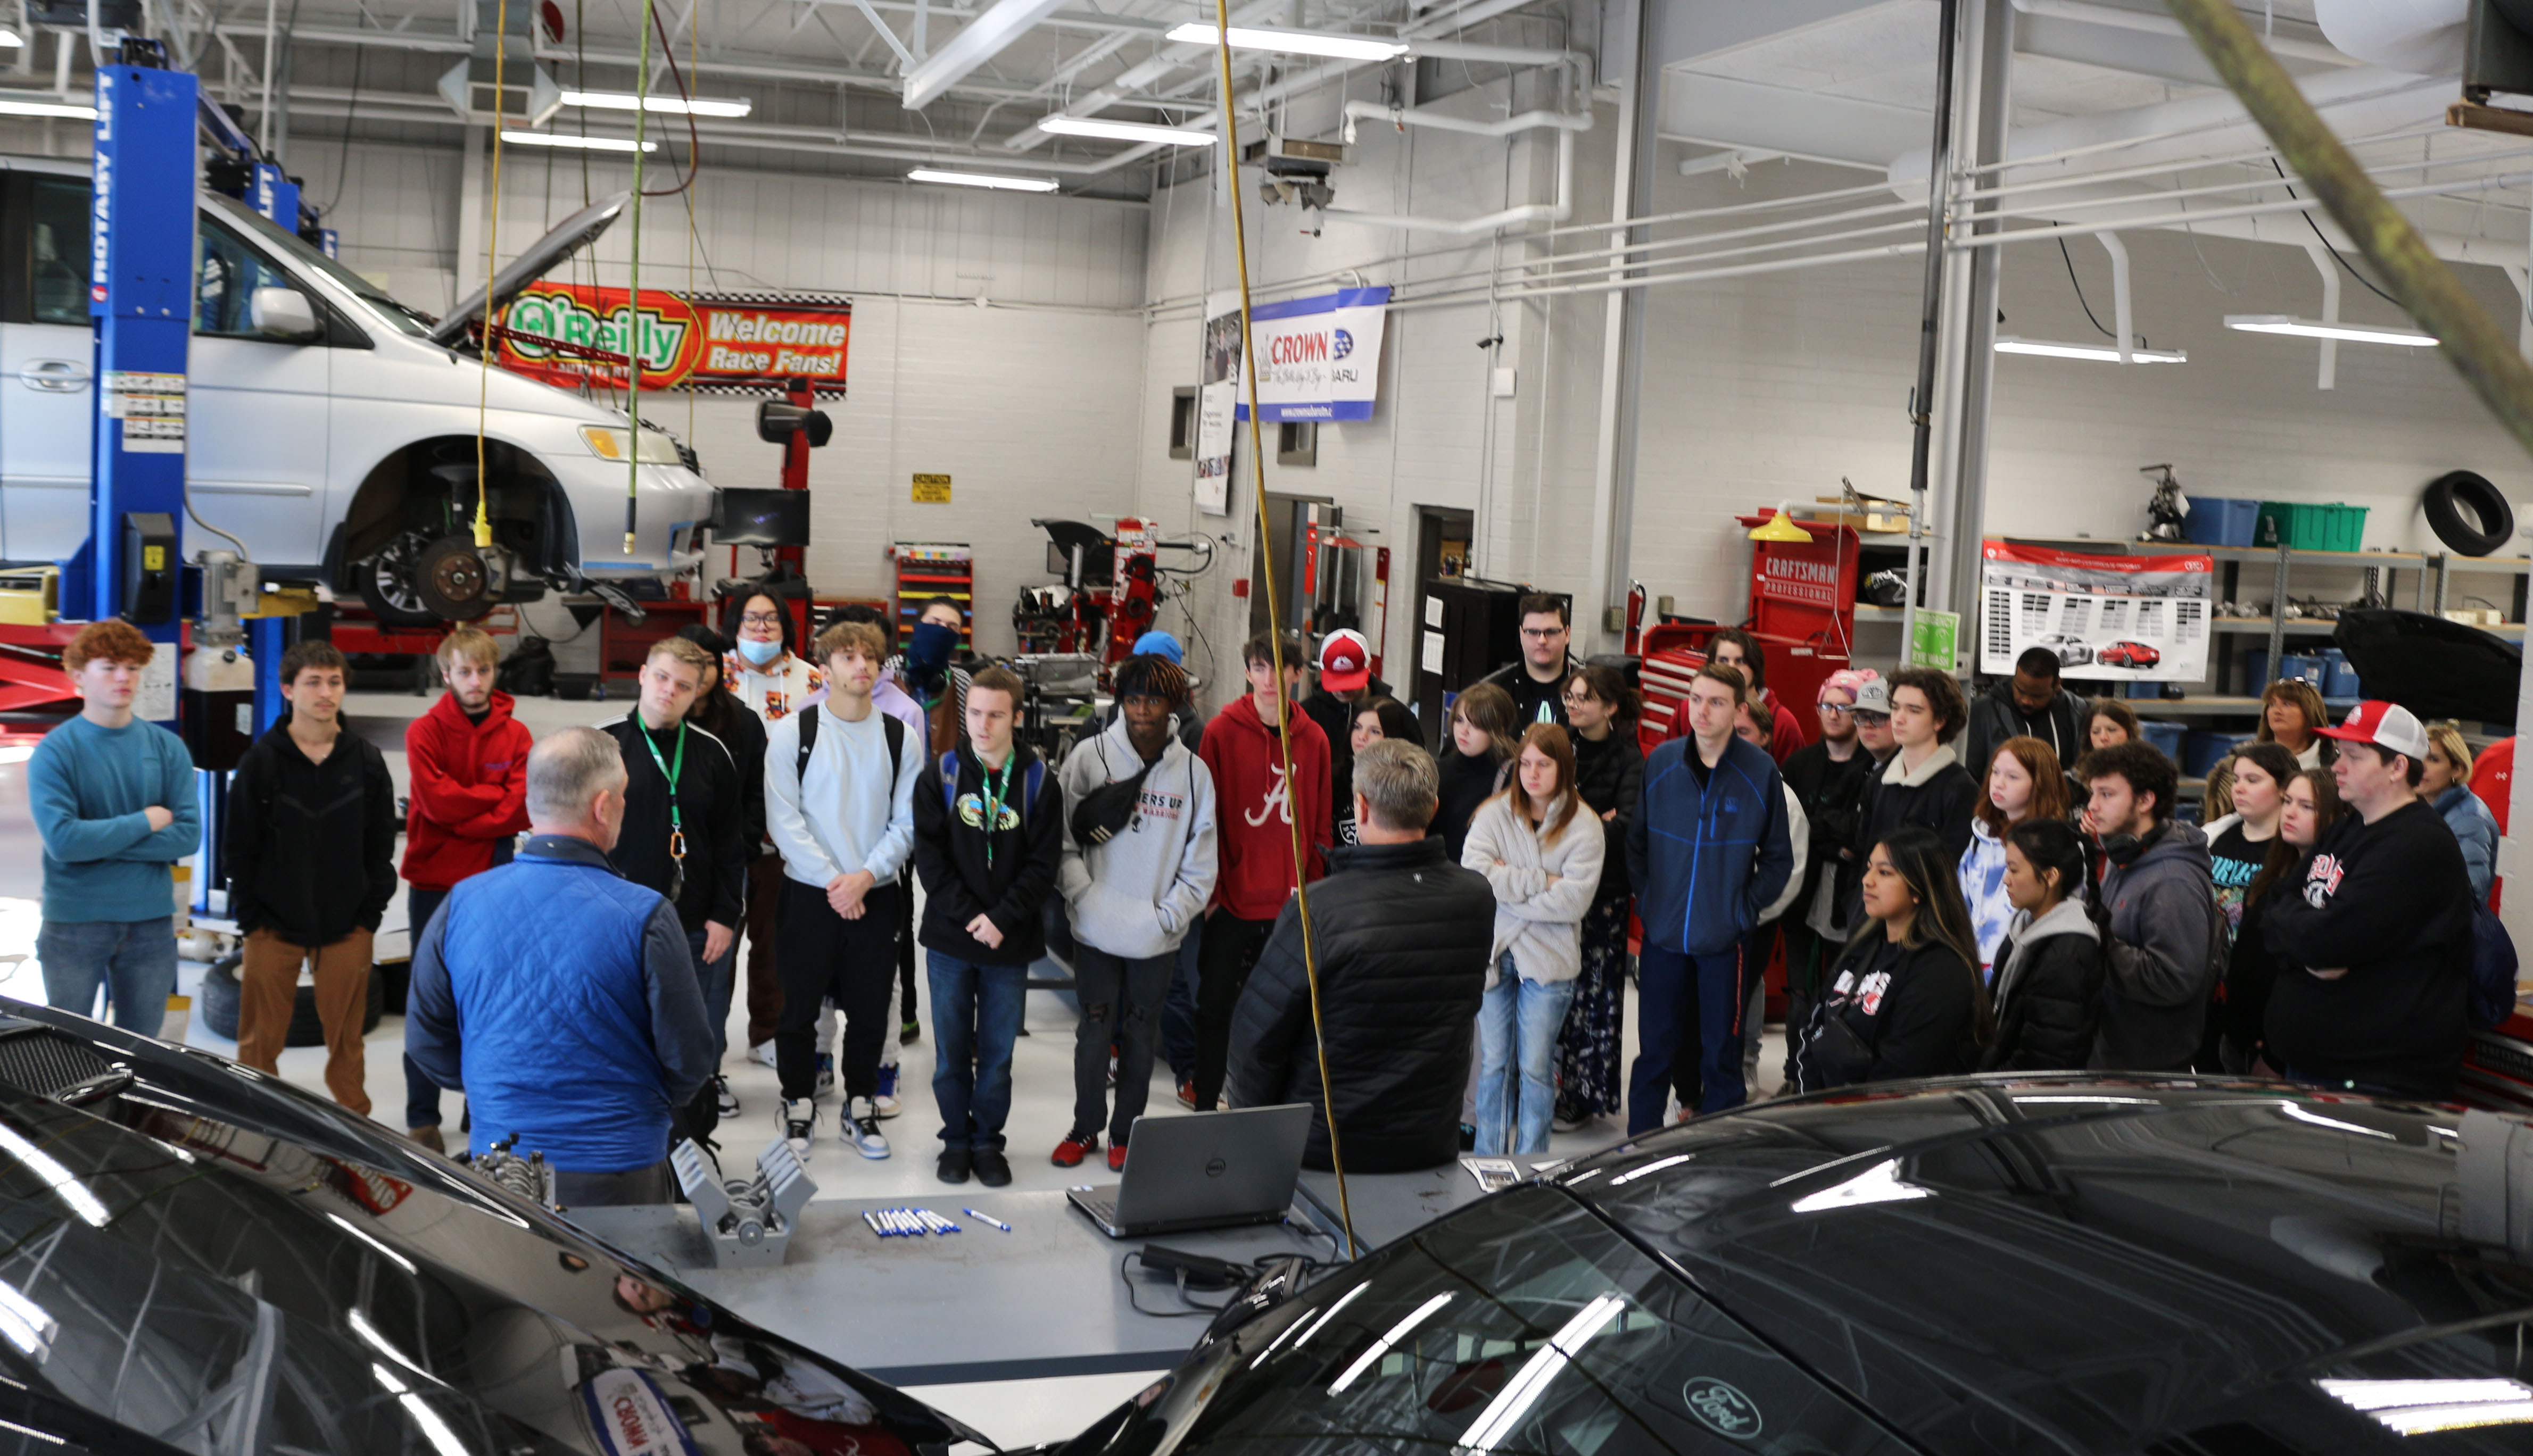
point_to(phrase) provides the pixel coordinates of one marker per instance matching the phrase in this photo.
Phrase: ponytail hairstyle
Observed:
(1942, 915)
(2053, 845)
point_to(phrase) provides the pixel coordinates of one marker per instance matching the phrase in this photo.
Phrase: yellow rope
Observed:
(634, 304)
(491, 262)
(1275, 622)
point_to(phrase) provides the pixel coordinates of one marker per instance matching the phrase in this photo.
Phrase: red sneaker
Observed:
(1074, 1148)
(1187, 1095)
(1116, 1159)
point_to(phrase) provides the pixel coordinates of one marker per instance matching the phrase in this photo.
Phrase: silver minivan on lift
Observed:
(332, 430)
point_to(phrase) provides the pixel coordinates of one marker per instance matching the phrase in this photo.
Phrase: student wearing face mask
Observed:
(772, 681)
(932, 676)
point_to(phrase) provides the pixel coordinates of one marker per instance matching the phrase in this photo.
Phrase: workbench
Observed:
(1053, 1297)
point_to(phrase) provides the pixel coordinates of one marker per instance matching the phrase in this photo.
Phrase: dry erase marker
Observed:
(988, 1218)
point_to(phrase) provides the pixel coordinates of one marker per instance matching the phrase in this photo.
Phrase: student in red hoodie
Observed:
(1254, 839)
(467, 760)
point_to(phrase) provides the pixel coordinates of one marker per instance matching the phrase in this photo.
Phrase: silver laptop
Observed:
(1210, 1170)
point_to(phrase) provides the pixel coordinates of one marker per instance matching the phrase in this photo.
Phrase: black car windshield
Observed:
(1524, 1324)
(396, 315)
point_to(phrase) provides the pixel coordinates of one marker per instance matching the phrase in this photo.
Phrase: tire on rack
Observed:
(220, 1005)
(2451, 502)
(389, 582)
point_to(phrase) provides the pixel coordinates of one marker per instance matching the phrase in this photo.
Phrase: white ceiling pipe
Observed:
(1494, 55)
(2163, 25)
(1171, 57)
(979, 41)
(2423, 37)
(1461, 18)
(1414, 117)
(2357, 101)
(2121, 316)
(1556, 211)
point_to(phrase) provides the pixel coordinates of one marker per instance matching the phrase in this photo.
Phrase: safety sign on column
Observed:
(152, 407)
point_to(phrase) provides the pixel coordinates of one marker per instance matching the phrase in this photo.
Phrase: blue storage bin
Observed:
(2140, 689)
(2215, 520)
(2307, 666)
(2205, 749)
(2165, 736)
(2338, 679)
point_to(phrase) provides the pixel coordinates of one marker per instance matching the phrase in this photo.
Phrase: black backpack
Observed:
(529, 670)
(895, 730)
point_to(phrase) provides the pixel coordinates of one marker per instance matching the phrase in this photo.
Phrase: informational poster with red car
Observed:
(2113, 618)
(571, 334)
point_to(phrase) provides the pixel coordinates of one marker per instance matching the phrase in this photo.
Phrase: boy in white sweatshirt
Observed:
(1134, 888)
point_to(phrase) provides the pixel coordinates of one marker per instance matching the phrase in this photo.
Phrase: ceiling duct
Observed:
(526, 92)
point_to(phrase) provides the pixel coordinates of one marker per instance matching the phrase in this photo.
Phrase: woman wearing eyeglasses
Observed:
(1609, 772)
(763, 673)
(1827, 777)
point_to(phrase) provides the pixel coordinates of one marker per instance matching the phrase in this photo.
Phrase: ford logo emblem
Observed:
(1721, 1408)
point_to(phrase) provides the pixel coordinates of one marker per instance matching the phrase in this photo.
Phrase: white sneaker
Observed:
(860, 1130)
(763, 1052)
(826, 1075)
(886, 1100)
(798, 1119)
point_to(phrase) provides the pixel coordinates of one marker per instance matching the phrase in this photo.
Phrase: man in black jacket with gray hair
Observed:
(1403, 936)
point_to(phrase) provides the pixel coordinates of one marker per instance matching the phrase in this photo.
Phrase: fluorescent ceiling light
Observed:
(2356, 334)
(673, 105)
(575, 143)
(1514, 1401)
(1879, 1183)
(2106, 352)
(48, 1168)
(1124, 131)
(12, 106)
(2416, 1406)
(981, 179)
(1294, 43)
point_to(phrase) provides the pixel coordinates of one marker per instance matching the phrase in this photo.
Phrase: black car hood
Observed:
(210, 1257)
(2160, 1266)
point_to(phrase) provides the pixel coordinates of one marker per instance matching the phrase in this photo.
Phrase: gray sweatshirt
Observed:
(845, 814)
(1137, 895)
(2167, 938)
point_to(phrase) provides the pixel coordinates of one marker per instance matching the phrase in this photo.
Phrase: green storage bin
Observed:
(2308, 527)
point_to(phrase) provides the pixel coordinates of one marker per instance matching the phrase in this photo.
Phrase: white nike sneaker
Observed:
(860, 1130)
(763, 1052)
(798, 1119)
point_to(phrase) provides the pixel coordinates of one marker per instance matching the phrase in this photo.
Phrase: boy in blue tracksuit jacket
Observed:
(1708, 845)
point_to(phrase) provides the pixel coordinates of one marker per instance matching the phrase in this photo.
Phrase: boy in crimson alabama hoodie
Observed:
(467, 759)
(1254, 840)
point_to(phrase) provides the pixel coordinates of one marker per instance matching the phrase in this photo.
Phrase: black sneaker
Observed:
(727, 1100)
(1468, 1137)
(908, 1032)
(994, 1170)
(954, 1165)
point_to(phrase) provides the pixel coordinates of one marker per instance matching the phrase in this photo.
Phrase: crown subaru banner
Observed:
(570, 333)
(2124, 618)
(1320, 357)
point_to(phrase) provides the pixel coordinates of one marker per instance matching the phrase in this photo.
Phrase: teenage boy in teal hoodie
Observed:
(113, 801)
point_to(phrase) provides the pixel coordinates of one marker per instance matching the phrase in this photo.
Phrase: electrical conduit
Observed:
(1558, 211)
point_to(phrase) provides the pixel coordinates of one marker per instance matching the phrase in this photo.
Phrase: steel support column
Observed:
(1966, 386)
(1623, 349)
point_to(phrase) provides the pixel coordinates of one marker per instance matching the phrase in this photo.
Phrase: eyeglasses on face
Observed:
(1861, 715)
(760, 619)
(1542, 634)
(1839, 708)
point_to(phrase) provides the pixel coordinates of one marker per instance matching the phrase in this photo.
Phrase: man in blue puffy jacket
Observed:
(560, 997)
(1708, 846)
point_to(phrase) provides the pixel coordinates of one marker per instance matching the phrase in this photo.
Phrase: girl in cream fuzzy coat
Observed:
(1541, 852)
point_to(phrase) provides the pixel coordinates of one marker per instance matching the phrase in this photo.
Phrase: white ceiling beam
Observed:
(984, 39)
(1696, 30)
(1720, 111)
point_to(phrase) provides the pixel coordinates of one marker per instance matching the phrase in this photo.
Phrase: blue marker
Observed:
(987, 1218)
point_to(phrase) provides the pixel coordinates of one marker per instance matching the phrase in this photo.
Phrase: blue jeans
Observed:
(1687, 1006)
(134, 962)
(421, 1093)
(1178, 1009)
(718, 978)
(1518, 1028)
(975, 1017)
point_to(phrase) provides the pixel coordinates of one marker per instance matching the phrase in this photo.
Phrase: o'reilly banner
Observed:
(1318, 358)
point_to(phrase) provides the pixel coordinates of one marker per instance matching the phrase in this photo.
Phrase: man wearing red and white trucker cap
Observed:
(2374, 948)
(1346, 680)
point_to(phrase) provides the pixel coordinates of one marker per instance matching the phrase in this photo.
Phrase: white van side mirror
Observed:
(282, 314)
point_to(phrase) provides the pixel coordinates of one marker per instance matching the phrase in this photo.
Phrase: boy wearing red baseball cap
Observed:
(1345, 681)
(2374, 948)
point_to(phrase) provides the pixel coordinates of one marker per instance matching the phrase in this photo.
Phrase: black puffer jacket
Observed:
(1611, 774)
(1403, 938)
(2048, 994)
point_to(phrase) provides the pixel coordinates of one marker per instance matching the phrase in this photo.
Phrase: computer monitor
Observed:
(762, 519)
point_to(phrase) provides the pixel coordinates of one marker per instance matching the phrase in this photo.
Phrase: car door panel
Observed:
(257, 416)
(47, 397)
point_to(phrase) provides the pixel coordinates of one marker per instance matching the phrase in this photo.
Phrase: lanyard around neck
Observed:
(995, 786)
(670, 770)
